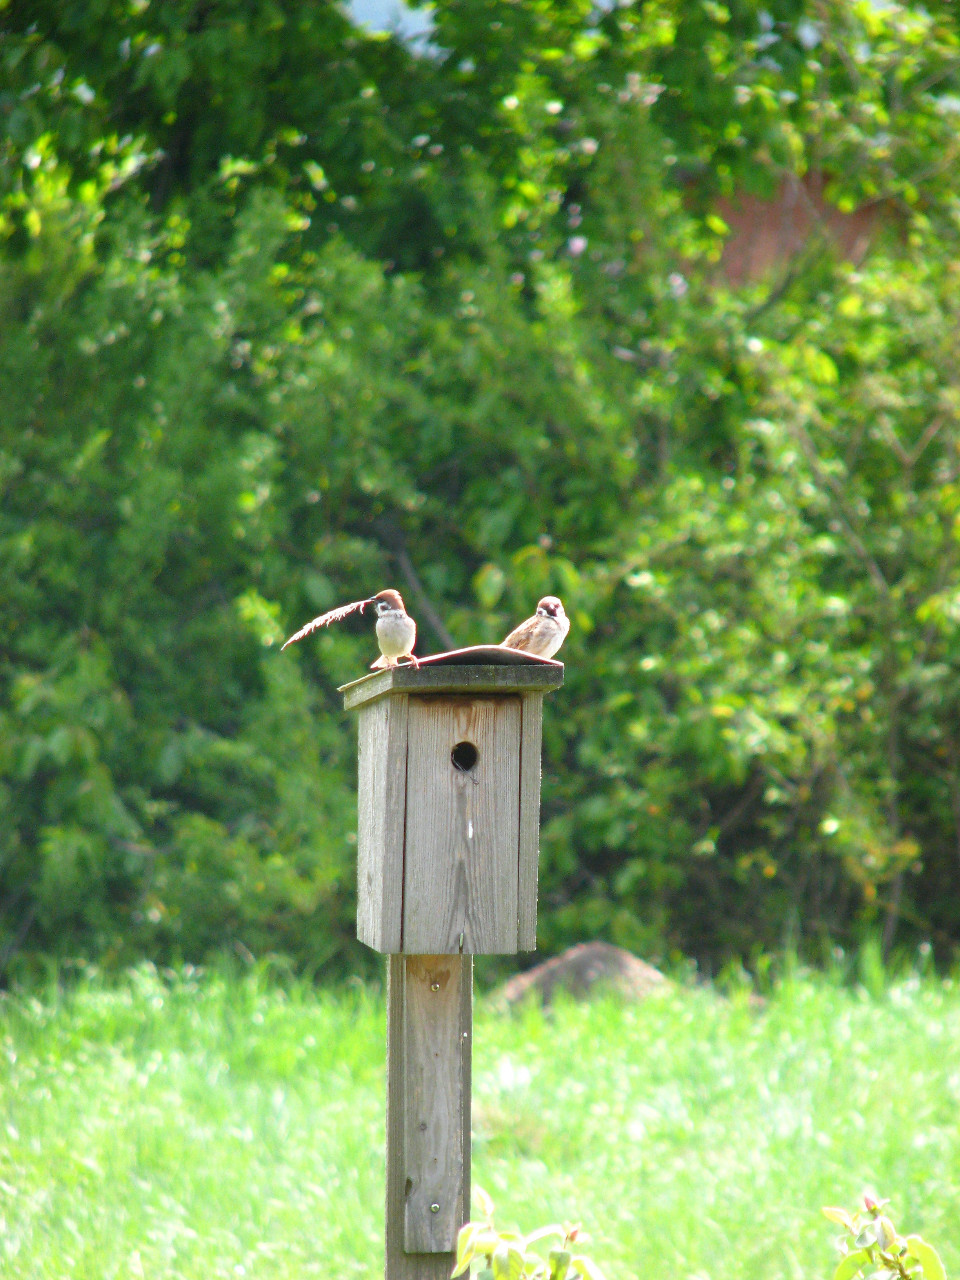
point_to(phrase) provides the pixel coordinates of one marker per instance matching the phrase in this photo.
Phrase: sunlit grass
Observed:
(204, 1127)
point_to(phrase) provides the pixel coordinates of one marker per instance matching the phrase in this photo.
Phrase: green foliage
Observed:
(164, 785)
(508, 1255)
(872, 1247)
(287, 308)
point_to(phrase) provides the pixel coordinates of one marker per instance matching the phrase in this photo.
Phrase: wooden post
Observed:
(530, 736)
(429, 1053)
(448, 836)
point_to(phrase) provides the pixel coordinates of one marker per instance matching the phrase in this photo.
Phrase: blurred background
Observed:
(652, 306)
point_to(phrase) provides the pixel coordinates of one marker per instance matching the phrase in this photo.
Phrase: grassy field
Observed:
(202, 1127)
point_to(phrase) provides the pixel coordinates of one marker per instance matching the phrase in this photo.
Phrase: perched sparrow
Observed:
(544, 633)
(396, 630)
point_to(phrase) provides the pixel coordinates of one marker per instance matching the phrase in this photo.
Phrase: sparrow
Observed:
(544, 633)
(396, 630)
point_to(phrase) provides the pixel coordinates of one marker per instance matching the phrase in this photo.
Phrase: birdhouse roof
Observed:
(482, 668)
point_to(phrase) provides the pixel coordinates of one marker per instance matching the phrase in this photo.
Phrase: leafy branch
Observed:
(508, 1255)
(873, 1249)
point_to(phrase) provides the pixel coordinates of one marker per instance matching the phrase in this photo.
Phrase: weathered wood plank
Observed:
(433, 1104)
(537, 674)
(531, 728)
(381, 804)
(462, 834)
(402, 1011)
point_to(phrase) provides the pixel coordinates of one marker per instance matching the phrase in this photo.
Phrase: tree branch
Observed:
(392, 540)
(424, 605)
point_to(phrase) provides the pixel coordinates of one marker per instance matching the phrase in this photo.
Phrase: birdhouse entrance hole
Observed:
(464, 756)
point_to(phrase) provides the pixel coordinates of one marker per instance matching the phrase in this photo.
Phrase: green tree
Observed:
(289, 311)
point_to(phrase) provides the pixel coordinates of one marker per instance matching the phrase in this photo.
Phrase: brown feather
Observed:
(333, 615)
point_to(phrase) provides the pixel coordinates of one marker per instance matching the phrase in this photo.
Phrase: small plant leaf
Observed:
(559, 1260)
(928, 1258)
(507, 1262)
(851, 1264)
(886, 1232)
(839, 1215)
(484, 1202)
(587, 1268)
(466, 1247)
(555, 1229)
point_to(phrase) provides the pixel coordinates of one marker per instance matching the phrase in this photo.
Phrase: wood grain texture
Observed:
(432, 1104)
(531, 727)
(535, 674)
(406, 1009)
(462, 833)
(381, 806)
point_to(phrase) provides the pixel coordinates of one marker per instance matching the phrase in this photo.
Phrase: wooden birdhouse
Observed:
(449, 802)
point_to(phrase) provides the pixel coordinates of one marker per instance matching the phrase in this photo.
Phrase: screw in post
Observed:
(434, 986)
(434, 1208)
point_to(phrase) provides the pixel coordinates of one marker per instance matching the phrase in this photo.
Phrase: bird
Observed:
(396, 630)
(544, 633)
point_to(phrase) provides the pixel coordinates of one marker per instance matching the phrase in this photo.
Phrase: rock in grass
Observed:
(582, 971)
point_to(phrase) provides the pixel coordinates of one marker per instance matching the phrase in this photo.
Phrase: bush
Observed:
(455, 322)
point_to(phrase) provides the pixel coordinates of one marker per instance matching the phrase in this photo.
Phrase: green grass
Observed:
(205, 1127)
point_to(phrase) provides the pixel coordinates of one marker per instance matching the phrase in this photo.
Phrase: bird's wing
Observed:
(334, 615)
(518, 638)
